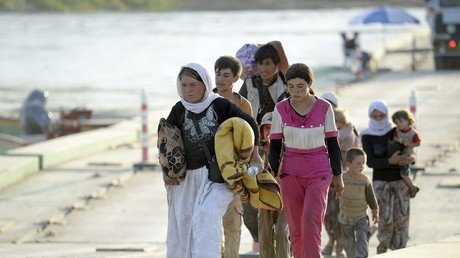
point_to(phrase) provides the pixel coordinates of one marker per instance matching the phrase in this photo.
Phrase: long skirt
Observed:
(394, 210)
(195, 211)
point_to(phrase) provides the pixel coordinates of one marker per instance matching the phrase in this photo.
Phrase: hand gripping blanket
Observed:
(234, 143)
(171, 153)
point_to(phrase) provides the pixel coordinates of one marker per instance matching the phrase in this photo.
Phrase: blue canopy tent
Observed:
(384, 15)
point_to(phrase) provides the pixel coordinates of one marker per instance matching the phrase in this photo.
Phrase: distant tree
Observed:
(89, 5)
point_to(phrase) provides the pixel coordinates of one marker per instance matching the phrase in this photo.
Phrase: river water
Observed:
(102, 61)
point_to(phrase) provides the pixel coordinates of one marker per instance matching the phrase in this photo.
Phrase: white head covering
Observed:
(378, 128)
(209, 96)
(331, 97)
(266, 119)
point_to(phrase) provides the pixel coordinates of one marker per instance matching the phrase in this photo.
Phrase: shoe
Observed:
(414, 192)
(381, 249)
(327, 250)
(340, 255)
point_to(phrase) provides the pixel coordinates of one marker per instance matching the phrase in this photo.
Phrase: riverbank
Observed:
(292, 4)
(187, 5)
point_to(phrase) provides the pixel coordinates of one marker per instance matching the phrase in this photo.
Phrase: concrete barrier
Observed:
(18, 163)
(16, 168)
(55, 151)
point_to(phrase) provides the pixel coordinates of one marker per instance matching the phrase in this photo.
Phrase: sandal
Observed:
(414, 192)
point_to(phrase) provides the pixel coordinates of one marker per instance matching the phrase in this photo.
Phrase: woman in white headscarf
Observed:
(197, 205)
(391, 191)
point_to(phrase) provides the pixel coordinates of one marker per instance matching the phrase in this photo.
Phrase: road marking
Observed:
(127, 249)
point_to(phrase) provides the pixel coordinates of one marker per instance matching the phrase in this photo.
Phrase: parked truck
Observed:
(443, 16)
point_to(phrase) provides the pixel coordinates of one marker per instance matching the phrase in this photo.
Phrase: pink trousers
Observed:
(305, 204)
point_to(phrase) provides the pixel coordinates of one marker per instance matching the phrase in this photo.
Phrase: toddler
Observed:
(406, 135)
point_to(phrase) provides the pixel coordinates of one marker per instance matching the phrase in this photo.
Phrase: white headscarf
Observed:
(209, 96)
(331, 97)
(378, 128)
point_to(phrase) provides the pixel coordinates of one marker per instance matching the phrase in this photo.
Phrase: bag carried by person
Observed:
(246, 56)
(171, 153)
(214, 173)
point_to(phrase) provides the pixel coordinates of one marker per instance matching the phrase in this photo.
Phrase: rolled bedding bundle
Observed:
(234, 143)
(171, 153)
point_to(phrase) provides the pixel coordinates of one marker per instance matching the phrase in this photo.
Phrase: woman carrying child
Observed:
(391, 191)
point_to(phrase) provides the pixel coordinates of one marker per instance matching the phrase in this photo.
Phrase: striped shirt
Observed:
(305, 152)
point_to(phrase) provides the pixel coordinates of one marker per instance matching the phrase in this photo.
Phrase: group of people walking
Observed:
(308, 144)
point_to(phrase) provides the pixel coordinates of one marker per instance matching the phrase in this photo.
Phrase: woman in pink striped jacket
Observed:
(306, 126)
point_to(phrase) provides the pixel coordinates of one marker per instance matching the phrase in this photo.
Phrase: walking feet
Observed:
(339, 251)
(327, 250)
(381, 249)
(413, 191)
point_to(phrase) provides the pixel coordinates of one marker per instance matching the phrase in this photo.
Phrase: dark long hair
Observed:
(301, 71)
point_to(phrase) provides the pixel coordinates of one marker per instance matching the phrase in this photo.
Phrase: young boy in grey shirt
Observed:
(357, 196)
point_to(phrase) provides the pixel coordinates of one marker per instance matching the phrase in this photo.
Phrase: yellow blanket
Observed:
(234, 143)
